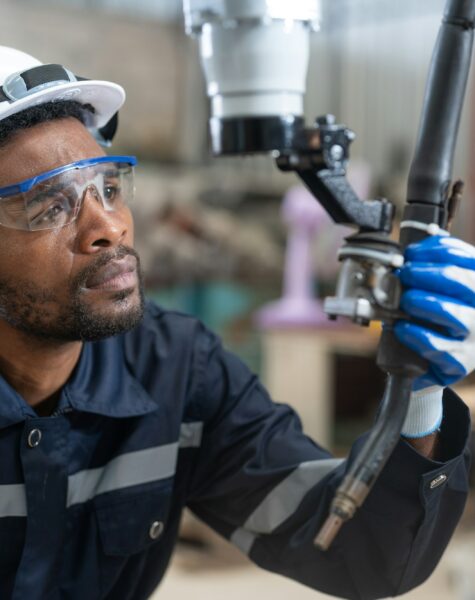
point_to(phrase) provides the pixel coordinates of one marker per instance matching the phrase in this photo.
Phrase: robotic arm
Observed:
(255, 56)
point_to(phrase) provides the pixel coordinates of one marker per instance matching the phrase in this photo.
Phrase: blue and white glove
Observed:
(439, 288)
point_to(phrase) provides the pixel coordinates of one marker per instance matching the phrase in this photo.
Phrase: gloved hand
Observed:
(439, 288)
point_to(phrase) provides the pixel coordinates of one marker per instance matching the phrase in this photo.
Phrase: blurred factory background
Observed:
(211, 232)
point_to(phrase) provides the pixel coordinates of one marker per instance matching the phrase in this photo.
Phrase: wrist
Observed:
(428, 446)
(424, 414)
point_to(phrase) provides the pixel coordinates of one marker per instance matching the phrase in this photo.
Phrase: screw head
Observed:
(337, 152)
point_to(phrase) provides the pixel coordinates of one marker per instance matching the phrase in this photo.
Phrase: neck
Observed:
(37, 369)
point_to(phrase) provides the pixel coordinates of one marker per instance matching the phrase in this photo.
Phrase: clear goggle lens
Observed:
(51, 202)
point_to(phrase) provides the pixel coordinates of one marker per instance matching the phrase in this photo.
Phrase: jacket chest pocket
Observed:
(130, 523)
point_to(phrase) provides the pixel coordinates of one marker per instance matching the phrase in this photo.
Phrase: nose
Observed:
(98, 228)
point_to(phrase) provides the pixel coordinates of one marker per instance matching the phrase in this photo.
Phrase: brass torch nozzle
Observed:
(349, 496)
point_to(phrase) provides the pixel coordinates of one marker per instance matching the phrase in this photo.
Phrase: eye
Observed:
(53, 215)
(112, 191)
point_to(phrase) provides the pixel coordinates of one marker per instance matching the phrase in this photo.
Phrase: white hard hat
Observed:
(26, 82)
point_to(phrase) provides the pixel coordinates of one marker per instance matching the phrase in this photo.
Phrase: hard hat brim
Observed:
(106, 98)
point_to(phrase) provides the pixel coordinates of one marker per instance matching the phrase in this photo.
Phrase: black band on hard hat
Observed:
(44, 74)
(19, 85)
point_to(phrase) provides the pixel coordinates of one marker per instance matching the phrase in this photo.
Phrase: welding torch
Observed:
(255, 54)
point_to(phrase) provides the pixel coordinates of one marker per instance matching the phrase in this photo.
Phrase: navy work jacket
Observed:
(162, 417)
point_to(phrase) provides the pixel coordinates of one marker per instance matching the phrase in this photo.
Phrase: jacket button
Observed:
(439, 480)
(156, 529)
(34, 438)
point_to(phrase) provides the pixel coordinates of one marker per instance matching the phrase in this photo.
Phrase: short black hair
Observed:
(34, 115)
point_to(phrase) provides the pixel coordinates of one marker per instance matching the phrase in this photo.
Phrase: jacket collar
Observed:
(13, 408)
(101, 384)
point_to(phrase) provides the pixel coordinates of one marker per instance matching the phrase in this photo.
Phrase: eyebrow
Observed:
(110, 172)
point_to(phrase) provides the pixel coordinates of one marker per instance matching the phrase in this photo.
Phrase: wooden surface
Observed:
(467, 393)
(298, 369)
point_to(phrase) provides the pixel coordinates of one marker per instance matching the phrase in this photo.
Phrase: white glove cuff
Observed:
(425, 412)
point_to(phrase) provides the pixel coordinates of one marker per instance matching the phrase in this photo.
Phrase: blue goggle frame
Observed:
(28, 184)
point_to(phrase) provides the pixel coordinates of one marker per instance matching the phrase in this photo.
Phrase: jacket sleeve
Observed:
(261, 483)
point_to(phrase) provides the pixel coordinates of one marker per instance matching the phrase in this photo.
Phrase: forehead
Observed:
(44, 147)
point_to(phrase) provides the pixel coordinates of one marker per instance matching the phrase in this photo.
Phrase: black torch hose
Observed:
(366, 467)
(428, 191)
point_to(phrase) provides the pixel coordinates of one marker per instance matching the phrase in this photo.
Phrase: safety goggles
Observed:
(53, 199)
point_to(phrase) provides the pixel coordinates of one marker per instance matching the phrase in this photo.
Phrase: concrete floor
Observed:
(220, 572)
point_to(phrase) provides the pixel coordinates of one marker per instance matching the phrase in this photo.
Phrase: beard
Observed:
(34, 310)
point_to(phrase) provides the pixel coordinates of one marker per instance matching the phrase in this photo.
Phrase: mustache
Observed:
(102, 260)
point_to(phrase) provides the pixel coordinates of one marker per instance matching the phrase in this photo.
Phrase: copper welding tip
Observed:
(328, 532)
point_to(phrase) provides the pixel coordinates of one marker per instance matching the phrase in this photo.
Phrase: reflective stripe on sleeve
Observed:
(283, 501)
(243, 540)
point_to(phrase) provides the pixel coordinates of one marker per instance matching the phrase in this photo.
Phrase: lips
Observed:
(112, 271)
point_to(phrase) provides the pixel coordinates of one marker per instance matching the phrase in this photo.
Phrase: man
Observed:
(115, 414)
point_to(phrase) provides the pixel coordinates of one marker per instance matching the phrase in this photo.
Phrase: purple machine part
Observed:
(298, 308)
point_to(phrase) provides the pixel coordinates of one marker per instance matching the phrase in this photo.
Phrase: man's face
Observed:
(79, 282)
